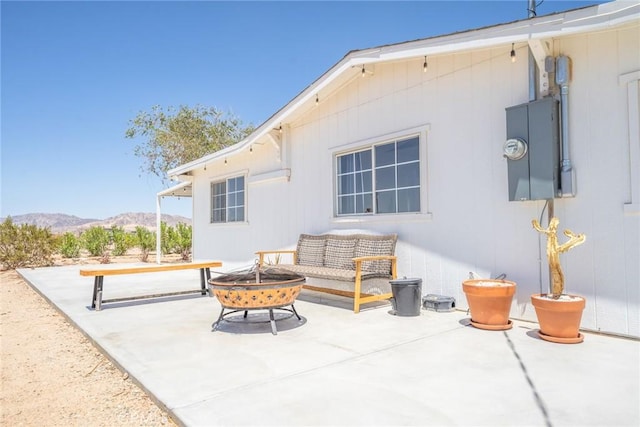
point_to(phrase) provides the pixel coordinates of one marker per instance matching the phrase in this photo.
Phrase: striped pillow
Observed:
(310, 250)
(376, 245)
(339, 252)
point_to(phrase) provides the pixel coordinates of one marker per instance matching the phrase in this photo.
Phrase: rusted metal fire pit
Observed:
(257, 288)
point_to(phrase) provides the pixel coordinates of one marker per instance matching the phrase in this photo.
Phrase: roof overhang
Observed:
(528, 31)
(183, 189)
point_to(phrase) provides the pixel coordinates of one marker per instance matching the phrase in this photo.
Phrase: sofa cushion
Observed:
(310, 250)
(339, 252)
(376, 245)
(343, 275)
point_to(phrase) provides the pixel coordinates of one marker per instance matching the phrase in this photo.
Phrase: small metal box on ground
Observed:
(438, 303)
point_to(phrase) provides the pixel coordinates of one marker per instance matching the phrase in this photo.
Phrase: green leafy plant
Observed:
(122, 241)
(166, 238)
(183, 240)
(276, 260)
(69, 245)
(96, 240)
(25, 245)
(176, 239)
(146, 241)
(171, 137)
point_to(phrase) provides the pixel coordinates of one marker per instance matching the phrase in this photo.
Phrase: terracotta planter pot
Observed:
(559, 319)
(489, 302)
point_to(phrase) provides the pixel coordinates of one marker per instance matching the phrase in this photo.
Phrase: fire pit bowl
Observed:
(258, 288)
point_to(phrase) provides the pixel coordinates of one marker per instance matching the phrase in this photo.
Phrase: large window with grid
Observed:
(382, 179)
(227, 200)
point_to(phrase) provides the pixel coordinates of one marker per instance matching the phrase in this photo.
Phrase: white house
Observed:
(409, 138)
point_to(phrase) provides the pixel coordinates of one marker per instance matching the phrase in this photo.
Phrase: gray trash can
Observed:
(407, 296)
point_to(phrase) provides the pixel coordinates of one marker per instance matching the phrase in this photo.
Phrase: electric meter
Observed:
(514, 148)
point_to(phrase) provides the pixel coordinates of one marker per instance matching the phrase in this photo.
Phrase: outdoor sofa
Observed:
(359, 266)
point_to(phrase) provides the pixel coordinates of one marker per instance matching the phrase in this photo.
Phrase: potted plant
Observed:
(489, 302)
(559, 314)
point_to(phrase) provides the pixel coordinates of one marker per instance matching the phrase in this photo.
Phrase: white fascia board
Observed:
(603, 16)
(194, 164)
(169, 191)
(270, 124)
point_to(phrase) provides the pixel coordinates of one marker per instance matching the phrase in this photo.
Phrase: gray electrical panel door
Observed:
(535, 175)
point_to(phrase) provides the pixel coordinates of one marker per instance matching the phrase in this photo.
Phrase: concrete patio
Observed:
(337, 368)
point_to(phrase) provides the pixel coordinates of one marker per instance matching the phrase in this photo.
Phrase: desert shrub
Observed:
(69, 245)
(26, 245)
(96, 240)
(122, 241)
(182, 240)
(166, 238)
(176, 239)
(146, 241)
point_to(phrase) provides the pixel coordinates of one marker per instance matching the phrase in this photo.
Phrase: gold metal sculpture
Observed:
(554, 250)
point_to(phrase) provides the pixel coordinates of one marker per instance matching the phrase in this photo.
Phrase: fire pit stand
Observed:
(259, 288)
(271, 320)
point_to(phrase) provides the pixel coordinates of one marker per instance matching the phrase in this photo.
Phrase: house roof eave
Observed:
(182, 189)
(543, 27)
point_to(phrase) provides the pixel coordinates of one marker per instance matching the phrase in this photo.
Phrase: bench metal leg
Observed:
(205, 285)
(96, 302)
(203, 281)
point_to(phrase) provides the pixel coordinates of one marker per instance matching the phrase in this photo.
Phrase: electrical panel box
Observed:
(532, 150)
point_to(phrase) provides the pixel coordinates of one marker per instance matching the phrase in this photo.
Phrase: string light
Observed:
(513, 53)
(424, 66)
(363, 70)
(225, 161)
(251, 149)
(317, 99)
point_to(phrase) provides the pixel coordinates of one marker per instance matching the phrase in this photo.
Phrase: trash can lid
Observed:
(406, 281)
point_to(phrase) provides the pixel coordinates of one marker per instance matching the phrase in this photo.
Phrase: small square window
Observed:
(227, 200)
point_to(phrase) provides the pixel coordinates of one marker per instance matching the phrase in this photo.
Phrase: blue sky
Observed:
(75, 73)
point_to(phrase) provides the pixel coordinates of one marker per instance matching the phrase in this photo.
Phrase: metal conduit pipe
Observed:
(533, 78)
(563, 71)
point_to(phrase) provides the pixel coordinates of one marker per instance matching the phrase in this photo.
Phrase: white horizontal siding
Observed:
(460, 105)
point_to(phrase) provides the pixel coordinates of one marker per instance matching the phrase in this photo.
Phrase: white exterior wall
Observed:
(467, 224)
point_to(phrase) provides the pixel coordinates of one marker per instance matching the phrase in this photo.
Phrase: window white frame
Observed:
(228, 200)
(632, 81)
(421, 214)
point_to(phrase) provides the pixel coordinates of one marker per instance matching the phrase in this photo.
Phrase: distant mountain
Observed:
(61, 223)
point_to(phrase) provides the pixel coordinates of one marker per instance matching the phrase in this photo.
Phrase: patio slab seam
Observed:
(390, 347)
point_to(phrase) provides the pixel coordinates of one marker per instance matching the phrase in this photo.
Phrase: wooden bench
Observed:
(100, 272)
(359, 266)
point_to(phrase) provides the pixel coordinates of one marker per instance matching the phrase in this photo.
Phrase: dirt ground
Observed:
(53, 376)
